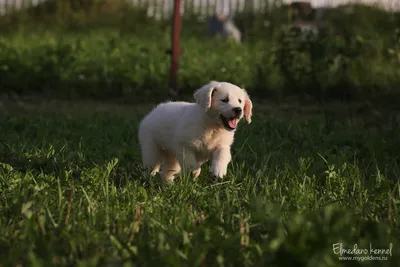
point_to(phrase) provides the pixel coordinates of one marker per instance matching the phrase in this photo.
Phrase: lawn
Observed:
(301, 182)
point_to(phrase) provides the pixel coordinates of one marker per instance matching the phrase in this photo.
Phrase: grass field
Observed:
(73, 192)
(304, 181)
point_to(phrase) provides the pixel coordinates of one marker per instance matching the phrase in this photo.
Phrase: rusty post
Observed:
(176, 29)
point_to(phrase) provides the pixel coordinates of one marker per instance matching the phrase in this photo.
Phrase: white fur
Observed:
(176, 134)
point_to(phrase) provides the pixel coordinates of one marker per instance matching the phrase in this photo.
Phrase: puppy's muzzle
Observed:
(237, 111)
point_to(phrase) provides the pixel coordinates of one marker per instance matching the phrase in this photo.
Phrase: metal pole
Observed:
(176, 28)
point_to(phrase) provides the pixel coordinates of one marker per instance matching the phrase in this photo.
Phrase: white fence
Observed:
(162, 8)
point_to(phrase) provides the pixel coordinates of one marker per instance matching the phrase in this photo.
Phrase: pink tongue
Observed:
(232, 123)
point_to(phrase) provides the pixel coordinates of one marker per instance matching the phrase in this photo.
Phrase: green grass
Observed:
(73, 191)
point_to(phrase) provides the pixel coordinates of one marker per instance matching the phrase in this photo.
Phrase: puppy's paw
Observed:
(167, 177)
(155, 170)
(168, 180)
(219, 170)
(196, 173)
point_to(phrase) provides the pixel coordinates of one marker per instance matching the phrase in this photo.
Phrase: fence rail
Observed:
(163, 8)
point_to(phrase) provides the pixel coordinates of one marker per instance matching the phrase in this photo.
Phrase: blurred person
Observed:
(223, 25)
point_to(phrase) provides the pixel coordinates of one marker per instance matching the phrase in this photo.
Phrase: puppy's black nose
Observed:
(237, 110)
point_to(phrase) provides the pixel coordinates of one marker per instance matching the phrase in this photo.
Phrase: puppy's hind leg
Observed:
(151, 157)
(169, 167)
(188, 161)
(156, 169)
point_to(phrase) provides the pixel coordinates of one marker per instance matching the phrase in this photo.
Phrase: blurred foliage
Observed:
(106, 49)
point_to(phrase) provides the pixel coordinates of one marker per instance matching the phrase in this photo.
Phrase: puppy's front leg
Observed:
(220, 161)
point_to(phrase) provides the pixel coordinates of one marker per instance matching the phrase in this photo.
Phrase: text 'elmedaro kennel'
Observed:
(182, 134)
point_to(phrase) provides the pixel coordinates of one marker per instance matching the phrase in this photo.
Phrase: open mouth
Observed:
(229, 124)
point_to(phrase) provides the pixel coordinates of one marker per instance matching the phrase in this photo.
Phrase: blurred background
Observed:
(312, 51)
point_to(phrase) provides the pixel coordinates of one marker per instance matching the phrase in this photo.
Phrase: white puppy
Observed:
(182, 134)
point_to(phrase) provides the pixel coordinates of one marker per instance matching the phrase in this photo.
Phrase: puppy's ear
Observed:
(248, 109)
(204, 95)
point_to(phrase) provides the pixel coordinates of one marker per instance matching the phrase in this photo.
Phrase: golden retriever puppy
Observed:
(177, 135)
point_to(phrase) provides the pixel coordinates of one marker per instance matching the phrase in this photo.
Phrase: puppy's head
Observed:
(226, 103)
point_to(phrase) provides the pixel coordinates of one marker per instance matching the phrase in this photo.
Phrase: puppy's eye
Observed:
(225, 100)
(240, 101)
